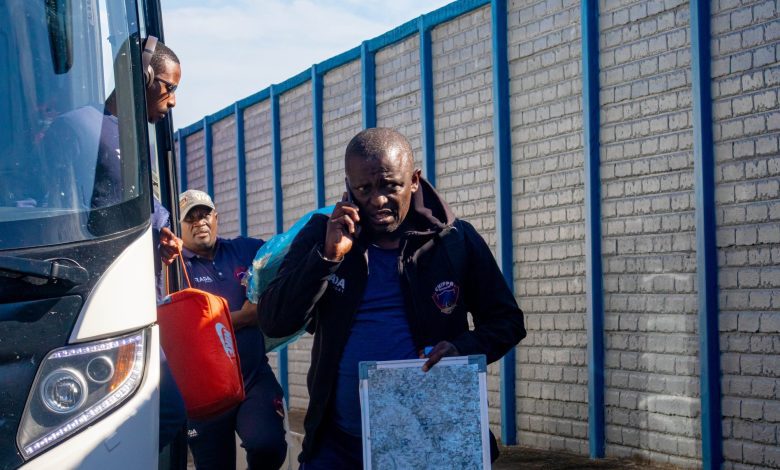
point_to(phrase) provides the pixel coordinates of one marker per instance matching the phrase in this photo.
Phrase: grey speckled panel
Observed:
(415, 419)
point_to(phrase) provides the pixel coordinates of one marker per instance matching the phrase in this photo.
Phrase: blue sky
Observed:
(230, 49)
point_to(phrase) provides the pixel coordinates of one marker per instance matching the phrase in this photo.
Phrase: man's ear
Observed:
(416, 179)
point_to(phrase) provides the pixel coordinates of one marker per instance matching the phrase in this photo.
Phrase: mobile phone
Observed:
(350, 198)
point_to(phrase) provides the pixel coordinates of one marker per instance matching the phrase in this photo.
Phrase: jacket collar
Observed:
(429, 213)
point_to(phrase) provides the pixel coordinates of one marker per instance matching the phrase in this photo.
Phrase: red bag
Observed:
(198, 340)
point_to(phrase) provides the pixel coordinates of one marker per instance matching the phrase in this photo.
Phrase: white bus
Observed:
(79, 345)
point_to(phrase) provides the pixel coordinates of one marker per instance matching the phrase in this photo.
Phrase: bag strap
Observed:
(183, 270)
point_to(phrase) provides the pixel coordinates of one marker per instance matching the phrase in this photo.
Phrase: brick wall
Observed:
(259, 171)
(649, 240)
(297, 153)
(647, 202)
(223, 134)
(196, 163)
(546, 119)
(341, 120)
(398, 91)
(746, 78)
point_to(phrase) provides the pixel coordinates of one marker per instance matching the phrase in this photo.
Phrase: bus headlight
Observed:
(77, 385)
(64, 391)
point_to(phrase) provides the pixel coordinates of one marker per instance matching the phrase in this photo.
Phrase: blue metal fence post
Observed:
(182, 162)
(706, 248)
(276, 148)
(593, 258)
(209, 159)
(368, 76)
(317, 137)
(240, 170)
(502, 152)
(426, 95)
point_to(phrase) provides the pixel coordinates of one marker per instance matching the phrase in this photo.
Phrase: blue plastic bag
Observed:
(265, 266)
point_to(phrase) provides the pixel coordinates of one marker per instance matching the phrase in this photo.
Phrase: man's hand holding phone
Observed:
(343, 228)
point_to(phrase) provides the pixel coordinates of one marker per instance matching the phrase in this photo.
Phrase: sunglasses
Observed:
(170, 88)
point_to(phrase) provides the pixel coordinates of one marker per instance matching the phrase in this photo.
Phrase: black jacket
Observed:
(442, 260)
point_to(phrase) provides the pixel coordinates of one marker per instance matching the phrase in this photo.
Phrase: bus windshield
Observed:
(73, 139)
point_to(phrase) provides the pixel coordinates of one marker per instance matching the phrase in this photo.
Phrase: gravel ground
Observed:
(511, 458)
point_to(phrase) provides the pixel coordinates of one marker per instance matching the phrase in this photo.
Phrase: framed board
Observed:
(433, 420)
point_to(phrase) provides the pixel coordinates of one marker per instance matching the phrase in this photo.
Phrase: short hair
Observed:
(376, 141)
(162, 54)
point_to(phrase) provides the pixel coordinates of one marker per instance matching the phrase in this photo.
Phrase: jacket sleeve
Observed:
(498, 321)
(302, 279)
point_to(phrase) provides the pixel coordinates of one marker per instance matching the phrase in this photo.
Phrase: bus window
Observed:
(71, 122)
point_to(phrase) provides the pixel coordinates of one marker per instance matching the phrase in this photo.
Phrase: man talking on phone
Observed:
(391, 274)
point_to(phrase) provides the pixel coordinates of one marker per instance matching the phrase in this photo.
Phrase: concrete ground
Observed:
(517, 457)
(513, 457)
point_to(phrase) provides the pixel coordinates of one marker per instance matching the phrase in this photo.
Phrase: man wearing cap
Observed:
(218, 265)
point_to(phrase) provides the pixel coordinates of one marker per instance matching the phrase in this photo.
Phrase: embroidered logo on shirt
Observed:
(445, 296)
(241, 273)
(226, 339)
(337, 282)
(203, 279)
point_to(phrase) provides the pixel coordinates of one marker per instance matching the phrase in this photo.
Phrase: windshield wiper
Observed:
(52, 270)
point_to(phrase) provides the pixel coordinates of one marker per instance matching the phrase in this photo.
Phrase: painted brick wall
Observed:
(259, 171)
(341, 120)
(398, 95)
(196, 162)
(463, 113)
(297, 153)
(545, 89)
(223, 135)
(649, 244)
(746, 79)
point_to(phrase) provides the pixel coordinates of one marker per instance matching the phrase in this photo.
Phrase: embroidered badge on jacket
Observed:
(445, 296)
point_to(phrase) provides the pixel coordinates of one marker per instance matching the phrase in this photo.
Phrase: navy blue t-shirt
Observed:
(222, 276)
(380, 332)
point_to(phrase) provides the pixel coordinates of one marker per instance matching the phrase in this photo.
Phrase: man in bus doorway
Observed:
(218, 265)
(88, 137)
